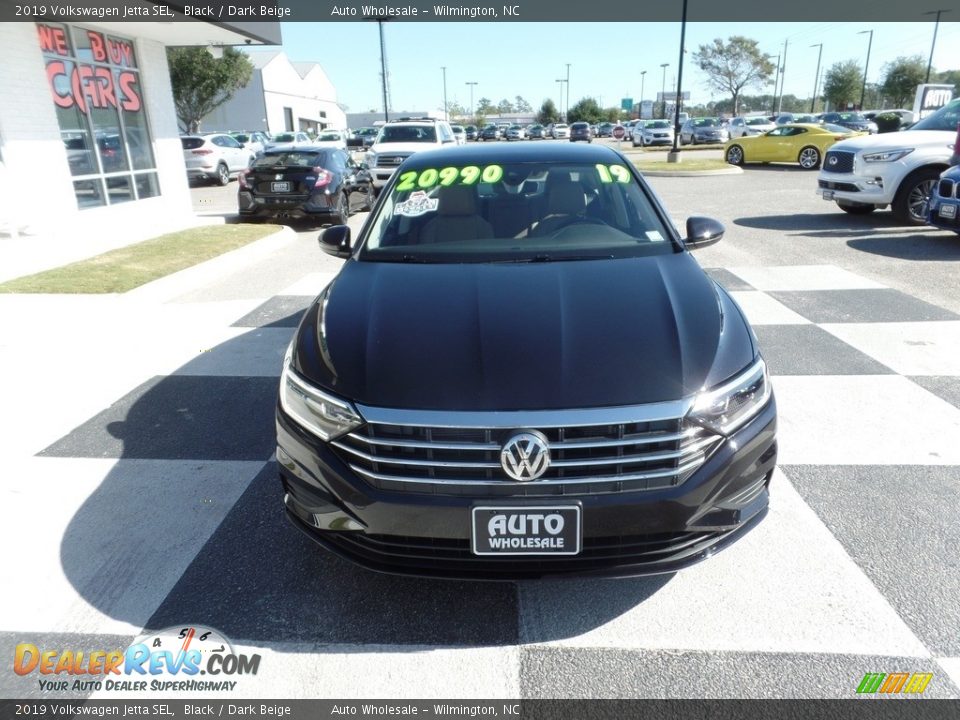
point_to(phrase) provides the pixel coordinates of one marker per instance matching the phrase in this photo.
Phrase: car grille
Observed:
(830, 185)
(843, 164)
(947, 189)
(390, 161)
(585, 459)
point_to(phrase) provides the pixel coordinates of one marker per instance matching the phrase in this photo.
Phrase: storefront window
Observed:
(96, 88)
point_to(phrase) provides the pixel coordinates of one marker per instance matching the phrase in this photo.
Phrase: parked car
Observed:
(741, 126)
(215, 157)
(471, 132)
(287, 140)
(653, 132)
(490, 132)
(852, 120)
(401, 138)
(516, 132)
(317, 182)
(560, 131)
(459, 134)
(944, 211)
(795, 143)
(535, 132)
(580, 131)
(628, 427)
(898, 169)
(705, 130)
(253, 140)
(367, 136)
(331, 138)
(605, 129)
(804, 118)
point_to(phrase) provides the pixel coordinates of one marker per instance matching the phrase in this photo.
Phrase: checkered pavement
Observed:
(158, 506)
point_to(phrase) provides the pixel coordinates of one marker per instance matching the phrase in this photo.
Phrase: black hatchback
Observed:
(306, 182)
(522, 371)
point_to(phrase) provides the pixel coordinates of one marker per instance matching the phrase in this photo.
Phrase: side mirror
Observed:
(335, 240)
(703, 231)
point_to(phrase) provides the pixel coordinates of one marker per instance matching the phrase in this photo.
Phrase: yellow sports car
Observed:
(795, 143)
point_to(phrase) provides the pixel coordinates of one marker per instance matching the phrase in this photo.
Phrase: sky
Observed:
(606, 59)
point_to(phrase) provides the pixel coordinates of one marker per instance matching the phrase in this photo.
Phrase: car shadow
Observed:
(188, 527)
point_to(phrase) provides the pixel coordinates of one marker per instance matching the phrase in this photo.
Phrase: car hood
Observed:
(904, 139)
(522, 336)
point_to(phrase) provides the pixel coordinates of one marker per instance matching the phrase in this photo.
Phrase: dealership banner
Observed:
(229, 11)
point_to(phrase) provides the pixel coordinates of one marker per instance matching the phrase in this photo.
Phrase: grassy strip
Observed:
(126, 268)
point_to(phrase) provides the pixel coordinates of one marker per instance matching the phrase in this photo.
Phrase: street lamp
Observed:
(934, 43)
(816, 78)
(866, 66)
(663, 91)
(446, 115)
(471, 84)
(643, 79)
(561, 81)
(674, 156)
(566, 112)
(383, 66)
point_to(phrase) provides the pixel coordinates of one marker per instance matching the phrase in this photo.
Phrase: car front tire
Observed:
(911, 201)
(809, 158)
(734, 155)
(223, 175)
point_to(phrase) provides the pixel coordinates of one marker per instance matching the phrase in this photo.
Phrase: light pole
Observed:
(675, 155)
(566, 112)
(783, 75)
(816, 78)
(934, 43)
(471, 84)
(866, 66)
(383, 68)
(663, 91)
(776, 81)
(562, 81)
(643, 79)
(446, 115)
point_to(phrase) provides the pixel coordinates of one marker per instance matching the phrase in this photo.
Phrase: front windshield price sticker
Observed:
(613, 173)
(417, 204)
(469, 175)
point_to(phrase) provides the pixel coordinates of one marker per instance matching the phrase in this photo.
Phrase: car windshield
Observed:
(408, 133)
(658, 124)
(189, 143)
(851, 117)
(706, 122)
(241, 138)
(516, 212)
(946, 118)
(560, 126)
(291, 158)
(757, 121)
(284, 138)
(328, 136)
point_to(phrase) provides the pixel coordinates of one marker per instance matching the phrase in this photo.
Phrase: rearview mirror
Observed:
(335, 240)
(703, 231)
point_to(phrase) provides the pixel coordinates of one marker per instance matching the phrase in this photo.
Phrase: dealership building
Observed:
(89, 140)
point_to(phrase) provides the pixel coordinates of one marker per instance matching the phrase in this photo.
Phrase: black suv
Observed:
(521, 371)
(581, 131)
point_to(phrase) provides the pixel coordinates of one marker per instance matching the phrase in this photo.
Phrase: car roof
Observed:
(514, 152)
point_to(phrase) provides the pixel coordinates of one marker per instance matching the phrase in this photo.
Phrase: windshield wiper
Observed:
(544, 258)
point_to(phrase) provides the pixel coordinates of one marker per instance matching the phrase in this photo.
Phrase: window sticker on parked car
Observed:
(654, 236)
(417, 204)
(613, 173)
(426, 179)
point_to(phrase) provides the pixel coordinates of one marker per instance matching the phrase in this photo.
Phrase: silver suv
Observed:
(215, 157)
(399, 139)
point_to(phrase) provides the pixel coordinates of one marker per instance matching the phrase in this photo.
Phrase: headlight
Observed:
(887, 155)
(727, 407)
(325, 416)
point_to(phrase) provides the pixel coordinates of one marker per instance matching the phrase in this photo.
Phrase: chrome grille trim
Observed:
(593, 450)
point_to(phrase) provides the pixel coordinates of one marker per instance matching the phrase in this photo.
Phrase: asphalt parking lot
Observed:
(161, 505)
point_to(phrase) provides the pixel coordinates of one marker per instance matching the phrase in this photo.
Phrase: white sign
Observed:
(930, 98)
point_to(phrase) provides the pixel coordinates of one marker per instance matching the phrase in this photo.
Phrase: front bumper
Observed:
(623, 534)
(942, 216)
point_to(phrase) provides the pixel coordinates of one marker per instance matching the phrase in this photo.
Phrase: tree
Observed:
(586, 110)
(733, 66)
(521, 105)
(901, 77)
(548, 113)
(842, 84)
(950, 77)
(485, 107)
(504, 107)
(201, 83)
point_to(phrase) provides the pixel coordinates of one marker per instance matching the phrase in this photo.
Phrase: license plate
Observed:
(828, 194)
(948, 211)
(280, 187)
(526, 530)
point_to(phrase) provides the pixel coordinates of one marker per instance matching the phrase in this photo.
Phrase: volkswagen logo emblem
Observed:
(833, 160)
(525, 456)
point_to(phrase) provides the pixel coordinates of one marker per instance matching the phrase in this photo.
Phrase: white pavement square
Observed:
(910, 348)
(803, 277)
(761, 309)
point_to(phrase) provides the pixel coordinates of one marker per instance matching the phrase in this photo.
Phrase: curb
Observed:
(191, 278)
(732, 170)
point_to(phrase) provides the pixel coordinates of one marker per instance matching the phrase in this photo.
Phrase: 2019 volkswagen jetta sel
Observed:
(521, 371)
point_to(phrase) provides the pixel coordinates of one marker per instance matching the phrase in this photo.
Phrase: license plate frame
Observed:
(828, 194)
(534, 531)
(282, 186)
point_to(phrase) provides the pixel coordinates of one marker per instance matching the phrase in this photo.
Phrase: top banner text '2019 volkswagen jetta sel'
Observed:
(521, 371)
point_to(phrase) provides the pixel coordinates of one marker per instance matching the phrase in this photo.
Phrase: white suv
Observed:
(900, 169)
(399, 139)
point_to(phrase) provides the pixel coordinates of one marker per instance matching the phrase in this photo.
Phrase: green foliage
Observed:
(586, 110)
(842, 84)
(504, 107)
(732, 66)
(485, 107)
(522, 106)
(901, 77)
(201, 83)
(548, 113)
(949, 77)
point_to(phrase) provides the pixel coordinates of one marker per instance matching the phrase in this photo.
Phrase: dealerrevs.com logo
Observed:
(176, 659)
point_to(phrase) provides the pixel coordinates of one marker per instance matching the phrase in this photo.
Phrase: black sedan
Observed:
(490, 132)
(305, 182)
(849, 120)
(521, 371)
